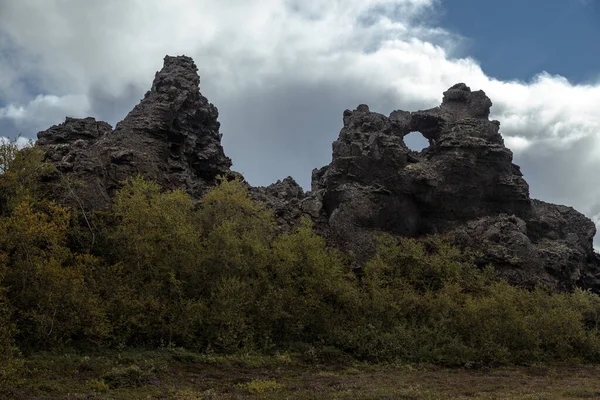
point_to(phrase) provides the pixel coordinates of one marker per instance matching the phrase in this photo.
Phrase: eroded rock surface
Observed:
(172, 137)
(464, 184)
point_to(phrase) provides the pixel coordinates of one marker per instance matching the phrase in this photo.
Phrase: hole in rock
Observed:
(415, 141)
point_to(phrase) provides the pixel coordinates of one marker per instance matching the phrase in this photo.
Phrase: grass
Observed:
(180, 375)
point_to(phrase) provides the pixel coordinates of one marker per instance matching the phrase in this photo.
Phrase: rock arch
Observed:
(416, 141)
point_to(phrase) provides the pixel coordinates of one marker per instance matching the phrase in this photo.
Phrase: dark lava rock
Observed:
(463, 185)
(172, 137)
(284, 198)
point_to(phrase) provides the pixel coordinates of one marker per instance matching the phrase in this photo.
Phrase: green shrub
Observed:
(155, 244)
(46, 283)
(129, 376)
(257, 386)
(21, 173)
(311, 292)
(238, 233)
(424, 301)
(97, 385)
(8, 151)
(218, 277)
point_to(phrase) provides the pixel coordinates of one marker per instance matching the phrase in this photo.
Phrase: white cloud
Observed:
(45, 110)
(516, 143)
(279, 70)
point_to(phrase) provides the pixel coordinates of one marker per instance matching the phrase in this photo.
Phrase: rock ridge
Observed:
(464, 185)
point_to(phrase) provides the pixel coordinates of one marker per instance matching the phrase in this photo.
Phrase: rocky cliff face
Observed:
(463, 185)
(172, 137)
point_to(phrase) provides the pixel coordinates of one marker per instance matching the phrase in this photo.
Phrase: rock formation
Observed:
(172, 137)
(463, 185)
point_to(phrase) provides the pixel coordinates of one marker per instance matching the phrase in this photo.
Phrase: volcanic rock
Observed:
(464, 185)
(172, 137)
(284, 198)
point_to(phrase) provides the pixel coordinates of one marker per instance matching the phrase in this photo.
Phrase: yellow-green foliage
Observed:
(97, 385)
(261, 386)
(424, 265)
(129, 376)
(218, 277)
(8, 152)
(46, 282)
(157, 243)
(237, 232)
(20, 174)
(153, 224)
(427, 302)
(235, 254)
(311, 291)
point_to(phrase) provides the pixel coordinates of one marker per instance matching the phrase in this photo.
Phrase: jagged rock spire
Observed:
(172, 137)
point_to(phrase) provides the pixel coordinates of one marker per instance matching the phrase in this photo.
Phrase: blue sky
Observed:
(517, 39)
(281, 73)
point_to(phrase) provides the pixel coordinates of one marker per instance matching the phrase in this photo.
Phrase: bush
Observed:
(155, 243)
(8, 151)
(97, 385)
(45, 281)
(218, 277)
(424, 301)
(311, 291)
(238, 233)
(129, 376)
(21, 173)
(257, 386)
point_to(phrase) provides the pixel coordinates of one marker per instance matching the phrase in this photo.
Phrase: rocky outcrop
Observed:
(526, 255)
(463, 185)
(375, 182)
(284, 198)
(172, 137)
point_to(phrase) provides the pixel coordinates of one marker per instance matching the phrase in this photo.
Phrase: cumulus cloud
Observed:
(251, 54)
(281, 72)
(43, 108)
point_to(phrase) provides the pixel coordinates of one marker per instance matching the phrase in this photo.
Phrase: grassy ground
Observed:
(177, 374)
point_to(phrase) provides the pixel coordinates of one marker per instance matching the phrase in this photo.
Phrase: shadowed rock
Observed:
(463, 185)
(172, 137)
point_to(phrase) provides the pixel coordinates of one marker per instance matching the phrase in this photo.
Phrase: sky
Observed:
(281, 73)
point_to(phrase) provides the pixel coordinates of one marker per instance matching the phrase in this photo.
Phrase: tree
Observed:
(157, 242)
(44, 280)
(21, 173)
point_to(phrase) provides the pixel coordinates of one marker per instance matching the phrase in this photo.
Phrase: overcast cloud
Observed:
(281, 73)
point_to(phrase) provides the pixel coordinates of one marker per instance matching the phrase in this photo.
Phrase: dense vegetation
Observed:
(156, 270)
